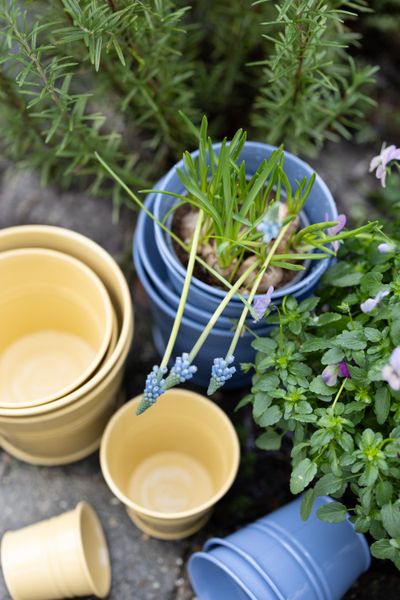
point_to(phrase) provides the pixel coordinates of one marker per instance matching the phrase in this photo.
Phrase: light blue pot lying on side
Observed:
(281, 557)
(319, 206)
(216, 344)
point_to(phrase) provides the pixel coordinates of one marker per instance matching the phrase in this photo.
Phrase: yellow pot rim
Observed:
(126, 331)
(107, 326)
(194, 397)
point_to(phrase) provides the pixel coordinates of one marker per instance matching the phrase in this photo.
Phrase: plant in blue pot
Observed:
(243, 233)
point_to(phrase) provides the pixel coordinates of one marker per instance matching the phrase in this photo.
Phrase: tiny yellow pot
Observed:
(55, 323)
(170, 465)
(62, 557)
(96, 258)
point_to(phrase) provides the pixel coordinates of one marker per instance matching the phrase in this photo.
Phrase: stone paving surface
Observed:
(144, 568)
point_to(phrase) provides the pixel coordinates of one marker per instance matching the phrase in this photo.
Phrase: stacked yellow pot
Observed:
(66, 324)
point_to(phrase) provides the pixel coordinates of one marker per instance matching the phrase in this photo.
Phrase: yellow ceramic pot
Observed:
(62, 557)
(170, 465)
(106, 268)
(70, 433)
(55, 323)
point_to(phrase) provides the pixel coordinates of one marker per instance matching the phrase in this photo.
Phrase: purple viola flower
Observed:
(386, 248)
(370, 304)
(391, 371)
(335, 229)
(261, 304)
(380, 162)
(331, 373)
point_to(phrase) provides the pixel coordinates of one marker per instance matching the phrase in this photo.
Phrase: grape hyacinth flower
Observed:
(335, 229)
(220, 373)
(261, 304)
(386, 248)
(181, 371)
(371, 303)
(331, 373)
(271, 224)
(391, 371)
(380, 162)
(153, 389)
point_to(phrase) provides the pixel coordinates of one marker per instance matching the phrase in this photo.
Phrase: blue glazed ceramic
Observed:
(302, 560)
(318, 206)
(155, 269)
(217, 342)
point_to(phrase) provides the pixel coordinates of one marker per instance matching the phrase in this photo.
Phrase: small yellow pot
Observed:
(55, 323)
(62, 557)
(170, 465)
(106, 268)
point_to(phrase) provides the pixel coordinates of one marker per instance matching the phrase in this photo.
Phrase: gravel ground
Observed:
(144, 568)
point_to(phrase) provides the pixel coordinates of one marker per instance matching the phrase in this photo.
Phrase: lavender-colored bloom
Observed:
(335, 229)
(380, 162)
(271, 223)
(370, 304)
(261, 304)
(386, 248)
(391, 371)
(331, 373)
(153, 389)
(220, 373)
(181, 371)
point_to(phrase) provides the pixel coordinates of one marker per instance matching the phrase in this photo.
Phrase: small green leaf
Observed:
(349, 280)
(390, 514)
(315, 343)
(265, 345)
(333, 512)
(327, 318)
(307, 503)
(383, 492)
(271, 416)
(351, 340)
(384, 549)
(302, 475)
(269, 440)
(332, 356)
(319, 387)
(372, 334)
(328, 484)
(382, 404)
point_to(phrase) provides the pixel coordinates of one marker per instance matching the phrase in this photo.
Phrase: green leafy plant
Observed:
(329, 375)
(244, 217)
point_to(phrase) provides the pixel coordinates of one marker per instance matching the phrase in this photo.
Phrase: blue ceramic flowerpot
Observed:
(291, 558)
(155, 269)
(318, 207)
(216, 344)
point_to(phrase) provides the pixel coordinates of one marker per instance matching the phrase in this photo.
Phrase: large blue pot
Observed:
(282, 557)
(319, 206)
(216, 344)
(156, 271)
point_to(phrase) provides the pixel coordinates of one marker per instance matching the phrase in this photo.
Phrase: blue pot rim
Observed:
(206, 557)
(316, 273)
(144, 279)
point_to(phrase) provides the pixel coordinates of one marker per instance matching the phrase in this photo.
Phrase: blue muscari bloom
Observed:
(220, 373)
(155, 386)
(271, 223)
(181, 371)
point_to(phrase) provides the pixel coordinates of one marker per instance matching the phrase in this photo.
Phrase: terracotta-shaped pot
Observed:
(170, 465)
(62, 557)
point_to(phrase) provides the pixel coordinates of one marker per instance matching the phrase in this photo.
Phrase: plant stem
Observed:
(184, 294)
(202, 338)
(254, 289)
(338, 394)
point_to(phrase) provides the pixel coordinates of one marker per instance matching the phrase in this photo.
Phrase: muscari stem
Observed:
(176, 239)
(184, 294)
(253, 291)
(202, 338)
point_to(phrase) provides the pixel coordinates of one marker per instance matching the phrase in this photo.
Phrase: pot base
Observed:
(45, 461)
(168, 533)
